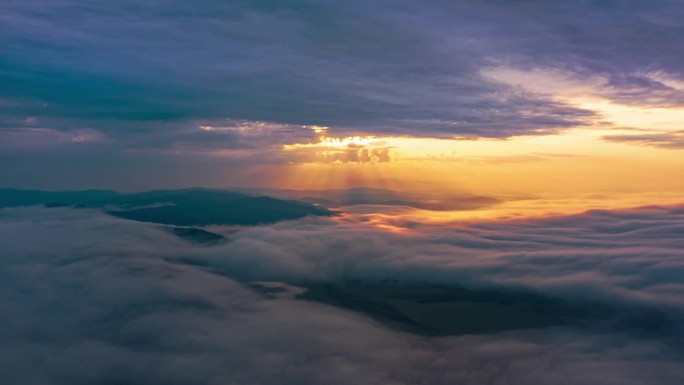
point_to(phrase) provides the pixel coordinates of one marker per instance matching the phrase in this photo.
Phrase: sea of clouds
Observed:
(90, 299)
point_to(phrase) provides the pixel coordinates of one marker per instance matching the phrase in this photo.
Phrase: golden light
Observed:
(570, 171)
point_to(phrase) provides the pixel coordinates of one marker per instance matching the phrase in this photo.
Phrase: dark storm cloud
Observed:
(92, 299)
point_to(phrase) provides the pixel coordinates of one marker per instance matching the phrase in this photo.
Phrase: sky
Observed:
(501, 98)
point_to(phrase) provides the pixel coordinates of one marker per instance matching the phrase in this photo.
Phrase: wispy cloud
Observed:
(28, 138)
(663, 139)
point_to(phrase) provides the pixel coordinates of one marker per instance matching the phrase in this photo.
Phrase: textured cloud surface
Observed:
(89, 299)
(416, 67)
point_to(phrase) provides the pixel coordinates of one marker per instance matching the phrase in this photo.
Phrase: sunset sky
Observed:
(578, 101)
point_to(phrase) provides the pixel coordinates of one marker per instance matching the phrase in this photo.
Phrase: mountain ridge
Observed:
(184, 207)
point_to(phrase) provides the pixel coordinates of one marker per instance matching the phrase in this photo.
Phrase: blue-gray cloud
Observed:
(400, 66)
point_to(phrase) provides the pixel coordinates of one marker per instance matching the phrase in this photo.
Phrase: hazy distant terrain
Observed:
(437, 201)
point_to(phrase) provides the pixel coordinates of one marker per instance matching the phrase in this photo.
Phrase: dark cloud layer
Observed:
(90, 299)
(388, 66)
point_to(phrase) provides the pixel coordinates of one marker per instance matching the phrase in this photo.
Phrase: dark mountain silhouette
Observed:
(187, 207)
(207, 207)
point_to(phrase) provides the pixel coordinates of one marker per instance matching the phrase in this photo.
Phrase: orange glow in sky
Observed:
(570, 171)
